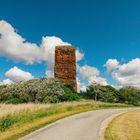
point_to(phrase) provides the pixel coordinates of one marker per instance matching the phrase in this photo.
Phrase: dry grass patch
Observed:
(11, 109)
(124, 127)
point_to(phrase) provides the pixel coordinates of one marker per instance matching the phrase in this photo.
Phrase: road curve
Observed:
(84, 126)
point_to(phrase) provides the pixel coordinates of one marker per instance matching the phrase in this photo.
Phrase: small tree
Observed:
(93, 91)
(129, 95)
(101, 93)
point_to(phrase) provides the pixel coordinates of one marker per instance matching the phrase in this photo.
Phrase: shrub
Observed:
(107, 93)
(45, 90)
(6, 96)
(70, 94)
(101, 93)
(129, 95)
(16, 101)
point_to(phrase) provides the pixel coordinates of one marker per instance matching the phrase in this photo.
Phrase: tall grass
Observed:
(11, 109)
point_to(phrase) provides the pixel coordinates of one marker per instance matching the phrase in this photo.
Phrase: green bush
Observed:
(101, 93)
(129, 95)
(6, 96)
(45, 90)
(107, 93)
(16, 101)
(70, 94)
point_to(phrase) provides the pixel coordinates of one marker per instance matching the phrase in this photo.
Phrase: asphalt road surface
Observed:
(84, 126)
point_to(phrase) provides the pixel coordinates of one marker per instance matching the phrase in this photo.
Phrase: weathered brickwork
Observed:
(65, 65)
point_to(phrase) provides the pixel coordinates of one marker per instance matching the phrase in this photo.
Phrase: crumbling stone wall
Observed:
(65, 65)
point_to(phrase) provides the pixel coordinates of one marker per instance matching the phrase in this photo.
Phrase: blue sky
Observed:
(101, 29)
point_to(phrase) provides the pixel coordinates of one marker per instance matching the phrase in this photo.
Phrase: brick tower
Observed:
(65, 65)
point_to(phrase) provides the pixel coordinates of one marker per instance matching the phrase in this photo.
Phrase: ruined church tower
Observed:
(65, 65)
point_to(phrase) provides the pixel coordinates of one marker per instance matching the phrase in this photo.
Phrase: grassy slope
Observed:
(16, 125)
(124, 127)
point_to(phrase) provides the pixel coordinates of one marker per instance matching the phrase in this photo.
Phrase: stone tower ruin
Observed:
(65, 65)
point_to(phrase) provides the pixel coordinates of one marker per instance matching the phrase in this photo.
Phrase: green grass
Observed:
(124, 127)
(19, 124)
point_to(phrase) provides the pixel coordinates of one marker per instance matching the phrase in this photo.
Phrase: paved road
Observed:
(84, 126)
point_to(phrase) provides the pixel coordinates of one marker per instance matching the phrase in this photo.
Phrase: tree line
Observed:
(51, 90)
(128, 94)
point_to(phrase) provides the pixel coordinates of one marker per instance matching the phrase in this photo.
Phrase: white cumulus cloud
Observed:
(79, 55)
(111, 64)
(98, 80)
(13, 46)
(88, 75)
(16, 75)
(86, 72)
(81, 86)
(127, 74)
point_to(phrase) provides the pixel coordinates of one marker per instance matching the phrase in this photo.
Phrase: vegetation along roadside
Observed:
(124, 127)
(21, 122)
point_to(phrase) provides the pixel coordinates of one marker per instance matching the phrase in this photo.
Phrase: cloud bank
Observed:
(127, 74)
(13, 46)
